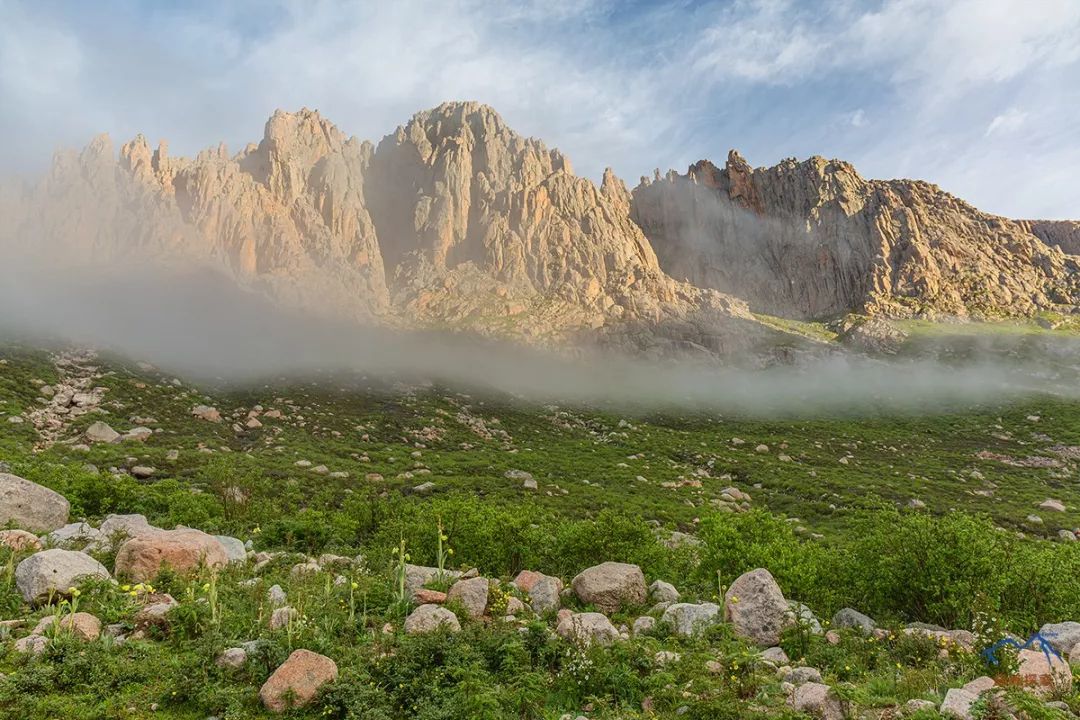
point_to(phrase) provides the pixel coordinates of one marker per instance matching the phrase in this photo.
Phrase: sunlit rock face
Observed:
(454, 221)
(815, 239)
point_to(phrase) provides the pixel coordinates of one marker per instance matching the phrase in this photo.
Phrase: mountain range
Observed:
(455, 221)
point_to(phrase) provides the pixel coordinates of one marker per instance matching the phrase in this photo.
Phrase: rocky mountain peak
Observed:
(815, 239)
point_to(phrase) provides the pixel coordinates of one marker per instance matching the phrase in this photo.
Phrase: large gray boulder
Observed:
(1063, 636)
(756, 608)
(78, 533)
(688, 619)
(100, 432)
(429, 618)
(234, 548)
(610, 586)
(849, 618)
(53, 572)
(588, 628)
(545, 594)
(661, 591)
(30, 506)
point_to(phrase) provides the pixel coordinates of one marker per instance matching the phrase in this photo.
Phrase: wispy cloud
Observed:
(1007, 122)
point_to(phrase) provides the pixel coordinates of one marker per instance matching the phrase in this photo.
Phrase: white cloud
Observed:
(1008, 122)
(858, 118)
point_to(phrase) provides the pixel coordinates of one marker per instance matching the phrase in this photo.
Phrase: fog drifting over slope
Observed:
(200, 326)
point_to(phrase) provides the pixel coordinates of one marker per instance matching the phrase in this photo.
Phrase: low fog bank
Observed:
(199, 325)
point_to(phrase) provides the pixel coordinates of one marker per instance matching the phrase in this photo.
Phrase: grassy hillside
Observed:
(345, 468)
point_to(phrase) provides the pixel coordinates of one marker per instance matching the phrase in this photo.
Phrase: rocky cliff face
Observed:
(814, 239)
(1062, 234)
(453, 221)
(285, 218)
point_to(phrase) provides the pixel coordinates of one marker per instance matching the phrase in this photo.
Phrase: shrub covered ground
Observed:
(343, 471)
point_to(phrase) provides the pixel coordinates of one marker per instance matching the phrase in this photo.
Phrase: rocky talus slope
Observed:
(815, 239)
(454, 221)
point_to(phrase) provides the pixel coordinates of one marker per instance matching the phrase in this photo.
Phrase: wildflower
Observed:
(734, 599)
(125, 588)
(355, 585)
(449, 551)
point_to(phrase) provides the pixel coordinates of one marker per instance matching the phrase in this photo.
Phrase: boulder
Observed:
(205, 412)
(139, 434)
(661, 591)
(297, 681)
(472, 594)
(1044, 672)
(20, 540)
(775, 655)
(282, 616)
(816, 700)
(610, 586)
(688, 619)
(546, 595)
(100, 432)
(31, 506)
(417, 576)
(957, 704)
(801, 613)
(644, 624)
(429, 618)
(73, 534)
(849, 618)
(234, 657)
(234, 548)
(801, 675)
(117, 528)
(918, 705)
(756, 608)
(184, 551)
(1062, 636)
(276, 596)
(31, 644)
(526, 579)
(587, 628)
(52, 572)
(80, 625)
(429, 597)
(155, 613)
(979, 685)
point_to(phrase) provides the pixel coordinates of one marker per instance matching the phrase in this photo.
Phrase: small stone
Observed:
(282, 616)
(233, 657)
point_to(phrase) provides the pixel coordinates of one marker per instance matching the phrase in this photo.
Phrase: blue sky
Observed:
(979, 96)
